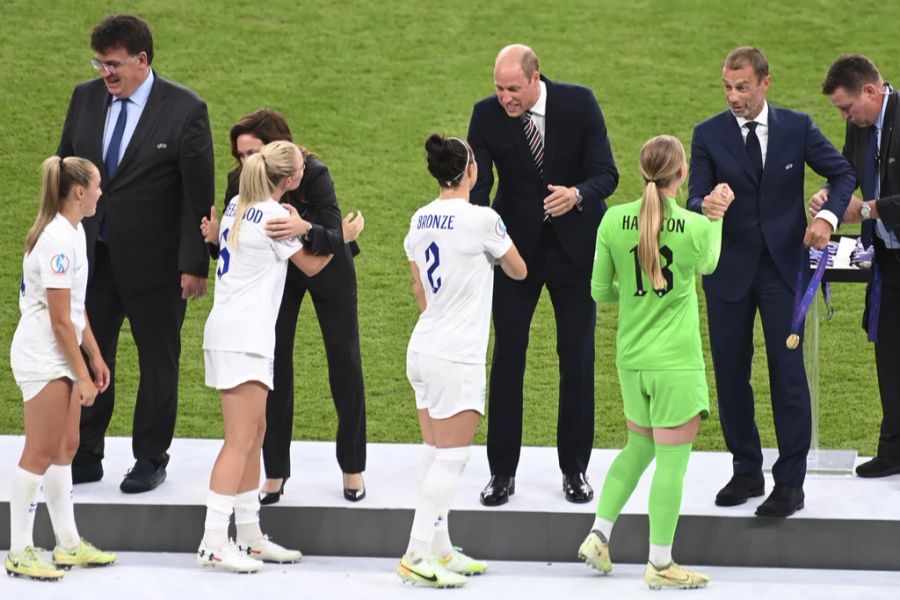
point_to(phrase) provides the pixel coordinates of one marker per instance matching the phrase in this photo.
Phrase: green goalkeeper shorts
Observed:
(664, 398)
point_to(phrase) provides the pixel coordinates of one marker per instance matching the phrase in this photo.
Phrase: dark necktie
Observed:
(115, 142)
(534, 141)
(870, 182)
(754, 149)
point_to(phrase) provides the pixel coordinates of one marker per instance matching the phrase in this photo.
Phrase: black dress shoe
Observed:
(266, 498)
(87, 472)
(498, 490)
(145, 475)
(355, 494)
(739, 488)
(878, 467)
(577, 488)
(782, 502)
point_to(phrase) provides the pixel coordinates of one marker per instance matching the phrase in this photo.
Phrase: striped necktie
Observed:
(534, 141)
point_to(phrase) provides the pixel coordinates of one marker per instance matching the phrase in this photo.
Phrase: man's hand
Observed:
(853, 214)
(818, 234)
(561, 200)
(817, 201)
(192, 286)
(716, 203)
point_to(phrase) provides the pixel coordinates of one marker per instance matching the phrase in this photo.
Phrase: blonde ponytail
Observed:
(58, 177)
(661, 160)
(649, 225)
(261, 174)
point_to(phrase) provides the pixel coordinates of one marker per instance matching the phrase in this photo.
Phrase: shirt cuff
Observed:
(829, 217)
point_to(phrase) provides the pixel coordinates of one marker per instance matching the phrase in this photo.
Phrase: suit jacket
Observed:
(576, 153)
(152, 206)
(769, 213)
(317, 203)
(855, 144)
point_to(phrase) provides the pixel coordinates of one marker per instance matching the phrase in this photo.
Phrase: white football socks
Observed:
(218, 515)
(604, 526)
(22, 505)
(58, 495)
(435, 495)
(660, 556)
(246, 517)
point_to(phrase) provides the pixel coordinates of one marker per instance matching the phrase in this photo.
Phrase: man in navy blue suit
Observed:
(555, 167)
(760, 151)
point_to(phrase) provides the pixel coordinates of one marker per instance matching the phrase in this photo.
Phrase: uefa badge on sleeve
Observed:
(59, 264)
(500, 228)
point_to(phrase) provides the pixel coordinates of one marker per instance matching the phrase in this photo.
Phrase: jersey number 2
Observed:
(433, 261)
(666, 253)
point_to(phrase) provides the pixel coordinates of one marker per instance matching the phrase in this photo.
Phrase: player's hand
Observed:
(84, 391)
(818, 234)
(291, 226)
(716, 203)
(210, 227)
(352, 225)
(192, 286)
(561, 200)
(817, 201)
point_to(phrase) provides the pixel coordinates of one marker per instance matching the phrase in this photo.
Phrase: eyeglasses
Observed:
(113, 66)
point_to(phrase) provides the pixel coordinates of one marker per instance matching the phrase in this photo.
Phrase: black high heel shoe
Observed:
(266, 498)
(355, 495)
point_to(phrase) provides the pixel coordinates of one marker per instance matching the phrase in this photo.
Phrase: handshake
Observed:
(716, 203)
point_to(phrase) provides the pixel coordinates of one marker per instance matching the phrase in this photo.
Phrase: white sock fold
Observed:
(218, 515)
(22, 505)
(604, 526)
(435, 496)
(58, 495)
(246, 517)
(660, 556)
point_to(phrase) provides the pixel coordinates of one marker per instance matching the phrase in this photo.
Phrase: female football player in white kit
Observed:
(49, 367)
(452, 247)
(239, 345)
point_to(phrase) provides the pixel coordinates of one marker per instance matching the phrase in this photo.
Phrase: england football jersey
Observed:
(57, 261)
(658, 329)
(249, 282)
(454, 245)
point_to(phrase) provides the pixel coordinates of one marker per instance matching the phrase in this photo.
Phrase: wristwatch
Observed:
(865, 210)
(579, 200)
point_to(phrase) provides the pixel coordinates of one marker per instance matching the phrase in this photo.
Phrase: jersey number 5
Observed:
(666, 253)
(433, 261)
(224, 255)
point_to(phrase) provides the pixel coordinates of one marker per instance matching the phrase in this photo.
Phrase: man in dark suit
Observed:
(151, 140)
(549, 145)
(760, 151)
(872, 107)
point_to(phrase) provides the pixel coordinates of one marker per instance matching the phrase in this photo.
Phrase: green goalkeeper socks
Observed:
(624, 474)
(665, 491)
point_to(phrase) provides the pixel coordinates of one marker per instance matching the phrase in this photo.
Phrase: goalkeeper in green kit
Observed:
(654, 249)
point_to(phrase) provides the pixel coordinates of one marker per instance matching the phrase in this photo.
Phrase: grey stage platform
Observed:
(848, 523)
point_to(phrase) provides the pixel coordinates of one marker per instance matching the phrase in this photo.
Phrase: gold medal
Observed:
(793, 341)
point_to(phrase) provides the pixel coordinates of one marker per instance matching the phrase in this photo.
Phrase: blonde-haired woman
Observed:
(655, 248)
(239, 343)
(48, 365)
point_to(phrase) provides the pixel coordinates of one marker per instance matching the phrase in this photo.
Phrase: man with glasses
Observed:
(151, 140)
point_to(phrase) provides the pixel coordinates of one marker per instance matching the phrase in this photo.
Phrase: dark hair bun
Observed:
(447, 159)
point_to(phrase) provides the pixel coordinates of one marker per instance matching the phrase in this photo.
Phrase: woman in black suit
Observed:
(333, 291)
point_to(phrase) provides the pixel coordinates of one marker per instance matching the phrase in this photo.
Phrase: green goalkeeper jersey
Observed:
(657, 329)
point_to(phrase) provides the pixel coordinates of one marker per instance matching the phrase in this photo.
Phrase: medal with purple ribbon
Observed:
(803, 298)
